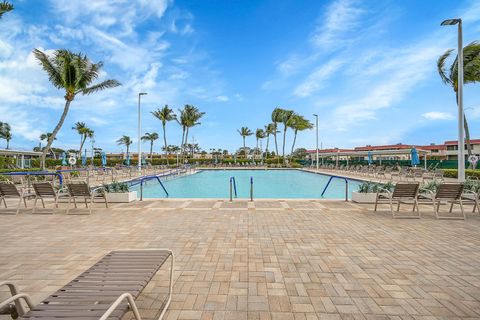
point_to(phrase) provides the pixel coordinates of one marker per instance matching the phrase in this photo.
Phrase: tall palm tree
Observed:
(244, 132)
(165, 114)
(84, 132)
(125, 141)
(74, 73)
(194, 115)
(276, 118)
(46, 136)
(471, 74)
(269, 129)
(286, 117)
(299, 123)
(183, 122)
(151, 137)
(6, 132)
(259, 134)
(5, 7)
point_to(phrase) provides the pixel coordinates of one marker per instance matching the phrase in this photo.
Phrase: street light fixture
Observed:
(316, 127)
(139, 134)
(461, 142)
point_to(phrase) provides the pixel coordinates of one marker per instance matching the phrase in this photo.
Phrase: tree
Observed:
(259, 134)
(276, 118)
(244, 132)
(125, 141)
(299, 123)
(286, 116)
(193, 117)
(471, 74)
(269, 129)
(46, 136)
(164, 115)
(299, 153)
(151, 137)
(6, 132)
(5, 7)
(74, 73)
(84, 133)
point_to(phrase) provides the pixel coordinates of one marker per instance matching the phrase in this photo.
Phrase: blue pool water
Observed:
(267, 184)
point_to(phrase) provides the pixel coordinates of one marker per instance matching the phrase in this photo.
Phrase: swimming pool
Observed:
(273, 184)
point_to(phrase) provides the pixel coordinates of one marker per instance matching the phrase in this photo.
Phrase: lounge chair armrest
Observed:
(427, 191)
(116, 303)
(16, 299)
(383, 190)
(470, 192)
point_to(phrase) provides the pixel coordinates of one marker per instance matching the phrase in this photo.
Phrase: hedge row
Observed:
(453, 173)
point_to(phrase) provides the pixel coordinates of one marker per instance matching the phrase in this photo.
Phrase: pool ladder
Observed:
(233, 188)
(330, 180)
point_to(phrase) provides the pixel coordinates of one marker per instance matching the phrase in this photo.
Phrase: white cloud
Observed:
(221, 98)
(341, 17)
(437, 115)
(316, 80)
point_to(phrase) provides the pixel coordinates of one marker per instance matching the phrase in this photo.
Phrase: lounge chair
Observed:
(402, 193)
(82, 190)
(471, 196)
(45, 190)
(446, 193)
(107, 290)
(8, 190)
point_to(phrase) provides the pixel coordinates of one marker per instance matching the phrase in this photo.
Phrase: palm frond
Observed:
(51, 69)
(5, 7)
(101, 86)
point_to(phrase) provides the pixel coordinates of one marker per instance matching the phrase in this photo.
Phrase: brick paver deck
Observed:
(274, 260)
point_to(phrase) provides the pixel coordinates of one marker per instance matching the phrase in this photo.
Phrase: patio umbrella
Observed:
(414, 157)
(104, 159)
(370, 158)
(64, 159)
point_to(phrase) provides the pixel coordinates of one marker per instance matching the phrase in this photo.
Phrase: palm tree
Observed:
(269, 129)
(151, 137)
(84, 133)
(276, 118)
(189, 117)
(471, 74)
(299, 123)
(125, 141)
(46, 136)
(244, 132)
(286, 117)
(259, 134)
(165, 114)
(5, 132)
(5, 7)
(74, 73)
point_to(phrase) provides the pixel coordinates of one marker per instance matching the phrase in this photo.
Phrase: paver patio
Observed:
(264, 260)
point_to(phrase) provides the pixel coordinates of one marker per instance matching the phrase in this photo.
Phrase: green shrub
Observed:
(116, 187)
(372, 187)
(453, 173)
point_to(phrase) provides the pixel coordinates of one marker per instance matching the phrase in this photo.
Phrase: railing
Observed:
(233, 186)
(35, 173)
(330, 180)
(251, 188)
(142, 180)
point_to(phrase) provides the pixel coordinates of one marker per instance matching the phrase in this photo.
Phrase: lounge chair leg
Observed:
(74, 202)
(451, 207)
(34, 204)
(461, 208)
(43, 203)
(68, 204)
(18, 206)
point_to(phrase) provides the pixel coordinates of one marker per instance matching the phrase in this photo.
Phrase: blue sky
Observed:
(368, 68)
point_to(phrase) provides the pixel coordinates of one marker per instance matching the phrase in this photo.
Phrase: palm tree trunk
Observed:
(165, 142)
(266, 148)
(244, 149)
(8, 143)
(284, 137)
(82, 142)
(54, 133)
(294, 140)
(185, 147)
(276, 145)
(151, 151)
(256, 151)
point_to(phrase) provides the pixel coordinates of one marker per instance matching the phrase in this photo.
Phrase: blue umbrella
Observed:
(64, 159)
(370, 158)
(127, 161)
(104, 159)
(414, 156)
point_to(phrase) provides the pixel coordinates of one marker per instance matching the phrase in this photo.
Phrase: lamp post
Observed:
(139, 134)
(316, 127)
(461, 142)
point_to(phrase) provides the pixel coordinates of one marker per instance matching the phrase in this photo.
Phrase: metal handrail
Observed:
(35, 173)
(251, 188)
(234, 184)
(330, 180)
(142, 180)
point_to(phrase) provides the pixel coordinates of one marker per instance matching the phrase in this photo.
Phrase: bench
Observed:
(107, 290)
